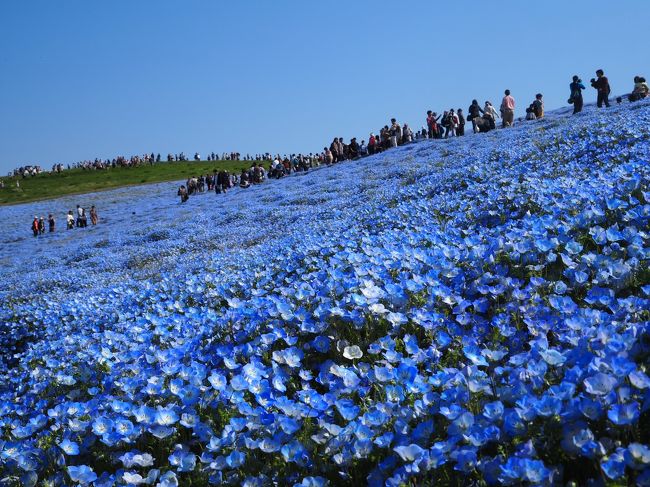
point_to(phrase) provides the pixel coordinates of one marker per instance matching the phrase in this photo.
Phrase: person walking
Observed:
(93, 215)
(575, 98)
(507, 110)
(474, 111)
(601, 85)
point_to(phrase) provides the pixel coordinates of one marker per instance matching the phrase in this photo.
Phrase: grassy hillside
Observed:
(79, 181)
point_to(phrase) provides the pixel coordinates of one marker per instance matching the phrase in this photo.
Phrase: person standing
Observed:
(474, 111)
(35, 226)
(334, 149)
(576, 88)
(70, 220)
(507, 110)
(80, 212)
(601, 84)
(93, 215)
(461, 123)
(51, 222)
(395, 133)
(41, 226)
(432, 124)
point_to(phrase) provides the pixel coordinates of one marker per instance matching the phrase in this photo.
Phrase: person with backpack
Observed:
(507, 110)
(575, 98)
(601, 85)
(474, 111)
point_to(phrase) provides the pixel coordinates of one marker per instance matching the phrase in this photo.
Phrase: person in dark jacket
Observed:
(601, 84)
(576, 88)
(354, 148)
(474, 111)
(460, 130)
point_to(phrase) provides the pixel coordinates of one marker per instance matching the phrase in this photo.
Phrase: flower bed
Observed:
(444, 312)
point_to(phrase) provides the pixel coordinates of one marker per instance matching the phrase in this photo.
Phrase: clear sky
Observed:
(82, 79)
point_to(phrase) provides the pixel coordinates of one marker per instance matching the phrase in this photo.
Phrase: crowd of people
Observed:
(451, 123)
(220, 181)
(132, 161)
(81, 220)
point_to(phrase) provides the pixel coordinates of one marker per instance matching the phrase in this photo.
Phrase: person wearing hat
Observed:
(41, 225)
(576, 88)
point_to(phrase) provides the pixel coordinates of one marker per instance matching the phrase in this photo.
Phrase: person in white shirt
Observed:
(491, 114)
(80, 214)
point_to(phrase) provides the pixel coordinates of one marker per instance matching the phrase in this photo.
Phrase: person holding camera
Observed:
(576, 88)
(601, 84)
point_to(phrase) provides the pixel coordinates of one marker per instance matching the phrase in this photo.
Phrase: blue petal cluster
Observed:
(477, 309)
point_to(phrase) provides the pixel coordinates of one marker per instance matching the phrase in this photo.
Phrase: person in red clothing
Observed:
(372, 144)
(601, 84)
(35, 226)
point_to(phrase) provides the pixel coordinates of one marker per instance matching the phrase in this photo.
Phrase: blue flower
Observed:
(409, 453)
(69, 447)
(82, 474)
(599, 384)
(623, 414)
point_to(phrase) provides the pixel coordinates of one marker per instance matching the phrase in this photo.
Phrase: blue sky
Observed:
(81, 79)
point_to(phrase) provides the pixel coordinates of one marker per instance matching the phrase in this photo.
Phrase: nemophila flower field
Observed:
(469, 311)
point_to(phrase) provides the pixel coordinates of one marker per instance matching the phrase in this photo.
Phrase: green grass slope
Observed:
(79, 181)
